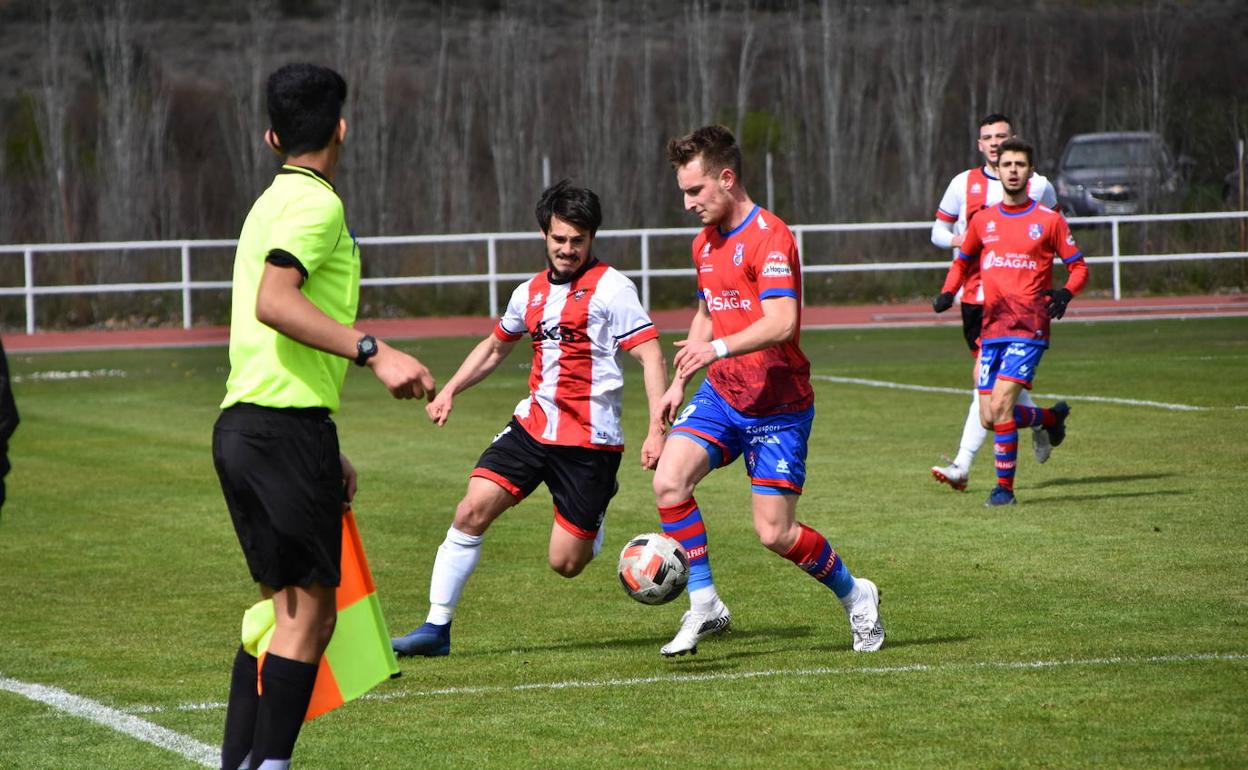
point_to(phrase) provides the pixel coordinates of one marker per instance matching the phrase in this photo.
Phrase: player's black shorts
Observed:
(581, 481)
(282, 480)
(972, 320)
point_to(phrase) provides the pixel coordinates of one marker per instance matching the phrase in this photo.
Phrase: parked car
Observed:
(1121, 172)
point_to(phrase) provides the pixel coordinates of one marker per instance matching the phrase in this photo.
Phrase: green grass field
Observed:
(1101, 622)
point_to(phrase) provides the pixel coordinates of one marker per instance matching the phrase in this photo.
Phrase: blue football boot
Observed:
(430, 640)
(1000, 496)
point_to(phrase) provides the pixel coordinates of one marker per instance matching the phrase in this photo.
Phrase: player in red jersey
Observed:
(756, 399)
(566, 433)
(969, 193)
(1014, 243)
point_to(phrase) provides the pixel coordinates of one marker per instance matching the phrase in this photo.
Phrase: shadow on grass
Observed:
(749, 636)
(1108, 496)
(1072, 481)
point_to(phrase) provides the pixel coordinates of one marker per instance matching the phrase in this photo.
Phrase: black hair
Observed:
(1014, 144)
(715, 145)
(996, 117)
(577, 205)
(305, 105)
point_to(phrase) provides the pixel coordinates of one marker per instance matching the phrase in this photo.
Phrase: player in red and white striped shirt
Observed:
(566, 433)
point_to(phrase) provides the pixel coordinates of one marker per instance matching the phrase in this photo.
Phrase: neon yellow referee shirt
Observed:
(299, 220)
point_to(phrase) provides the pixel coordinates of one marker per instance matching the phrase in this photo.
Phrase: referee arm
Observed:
(281, 306)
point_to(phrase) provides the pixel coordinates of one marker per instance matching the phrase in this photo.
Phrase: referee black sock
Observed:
(240, 713)
(287, 689)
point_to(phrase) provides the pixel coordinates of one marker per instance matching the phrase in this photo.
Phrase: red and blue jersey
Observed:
(1014, 247)
(737, 270)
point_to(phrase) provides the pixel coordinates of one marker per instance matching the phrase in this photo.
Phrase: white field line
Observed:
(963, 391)
(765, 673)
(72, 374)
(127, 724)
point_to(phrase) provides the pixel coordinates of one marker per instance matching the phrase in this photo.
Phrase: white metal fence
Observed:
(187, 285)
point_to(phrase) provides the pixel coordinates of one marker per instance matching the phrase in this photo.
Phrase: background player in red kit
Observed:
(1014, 243)
(969, 193)
(756, 399)
(566, 433)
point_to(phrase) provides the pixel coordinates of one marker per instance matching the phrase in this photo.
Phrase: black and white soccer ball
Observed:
(654, 568)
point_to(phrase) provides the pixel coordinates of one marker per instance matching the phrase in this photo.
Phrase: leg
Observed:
(455, 562)
(305, 620)
(569, 553)
(775, 521)
(1005, 443)
(1040, 443)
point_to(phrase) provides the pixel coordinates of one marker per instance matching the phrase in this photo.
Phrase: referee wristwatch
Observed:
(365, 348)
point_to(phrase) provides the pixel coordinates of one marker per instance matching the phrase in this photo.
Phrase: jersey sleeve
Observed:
(628, 321)
(1047, 195)
(511, 326)
(972, 243)
(951, 204)
(777, 266)
(306, 232)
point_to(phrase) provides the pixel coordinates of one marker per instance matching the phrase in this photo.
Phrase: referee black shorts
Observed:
(581, 481)
(972, 320)
(282, 478)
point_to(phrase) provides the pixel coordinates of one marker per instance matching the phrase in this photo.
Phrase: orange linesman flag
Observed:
(359, 656)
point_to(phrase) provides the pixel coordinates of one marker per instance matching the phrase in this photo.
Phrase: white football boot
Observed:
(863, 609)
(952, 474)
(696, 626)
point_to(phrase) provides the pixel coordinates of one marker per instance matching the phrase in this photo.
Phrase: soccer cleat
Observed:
(694, 627)
(1041, 444)
(999, 496)
(864, 616)
(430, 640)
(1057, 431)
(951, 474)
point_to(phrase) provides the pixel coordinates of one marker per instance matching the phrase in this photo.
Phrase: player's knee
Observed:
(472, 519)
(670, 490)
(568, 567)
(325, 629)
(777, 539)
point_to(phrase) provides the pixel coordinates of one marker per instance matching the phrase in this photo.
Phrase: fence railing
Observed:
(187, 285)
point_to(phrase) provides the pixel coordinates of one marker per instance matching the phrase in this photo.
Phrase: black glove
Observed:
(943, 302)
(1056, 301)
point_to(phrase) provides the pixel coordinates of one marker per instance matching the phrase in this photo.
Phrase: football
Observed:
(653, 568)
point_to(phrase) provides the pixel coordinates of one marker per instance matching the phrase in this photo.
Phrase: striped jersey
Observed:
(971, 192)
(1014, 247)
(738, 269)
(576, 328)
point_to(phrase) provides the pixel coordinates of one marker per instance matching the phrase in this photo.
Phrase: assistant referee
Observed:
(295, 295)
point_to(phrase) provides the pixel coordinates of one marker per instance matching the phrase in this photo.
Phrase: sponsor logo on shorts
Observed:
(764, 440)
(782, 466)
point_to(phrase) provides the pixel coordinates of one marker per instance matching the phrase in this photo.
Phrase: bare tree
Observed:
(1155, 41)
(52, 120)
(244, 120)
(920, 67)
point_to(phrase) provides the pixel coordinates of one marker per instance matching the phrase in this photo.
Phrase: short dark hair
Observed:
(577, 205)
(996, 117)
(1014, 144)
(714, 144)
(305, 105)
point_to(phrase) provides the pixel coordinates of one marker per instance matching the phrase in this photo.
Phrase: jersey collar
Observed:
(557, 281)
(748, 218)
(288, 168)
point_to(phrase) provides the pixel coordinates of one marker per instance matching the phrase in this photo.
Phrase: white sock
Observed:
(705, 600)
(973, 435)
(457, 558)
(598, 539)
(1024, 399)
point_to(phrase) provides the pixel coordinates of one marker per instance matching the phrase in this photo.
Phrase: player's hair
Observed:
(577, 205)
(996, 117)
(305, 105)
(1014, 144)
(715, 145)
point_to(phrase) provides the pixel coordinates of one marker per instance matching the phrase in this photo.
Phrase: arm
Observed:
(654, 368)
(699, 331)
(478, 365)
(281, 306)
(778, 324)
(943, 235)
(953, 281)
